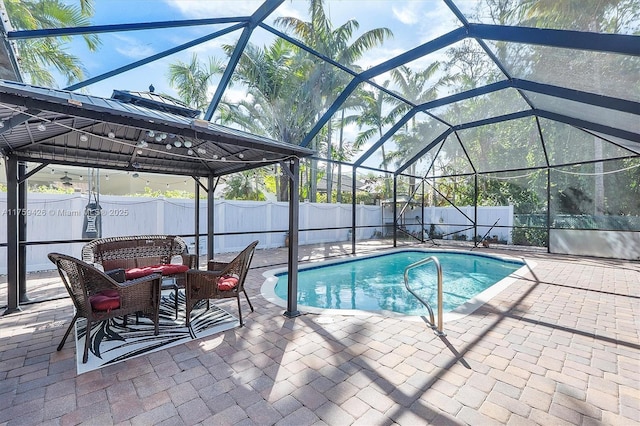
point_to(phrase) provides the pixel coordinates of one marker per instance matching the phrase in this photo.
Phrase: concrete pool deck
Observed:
(559, 346)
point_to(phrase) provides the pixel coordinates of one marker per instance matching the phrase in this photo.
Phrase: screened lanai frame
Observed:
(610, 113)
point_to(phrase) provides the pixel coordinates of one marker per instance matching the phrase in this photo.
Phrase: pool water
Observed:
(377, 283)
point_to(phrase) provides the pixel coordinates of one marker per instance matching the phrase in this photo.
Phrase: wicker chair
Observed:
(221, 280)
(97, 296)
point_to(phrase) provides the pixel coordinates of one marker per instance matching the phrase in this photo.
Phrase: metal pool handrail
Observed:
(438, 330)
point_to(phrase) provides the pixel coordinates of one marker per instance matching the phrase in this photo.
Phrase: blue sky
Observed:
(413, 22)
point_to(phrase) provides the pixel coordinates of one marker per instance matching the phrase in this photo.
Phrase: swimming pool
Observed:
(376, 283)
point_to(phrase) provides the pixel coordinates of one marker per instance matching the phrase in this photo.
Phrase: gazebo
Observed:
(50, 126)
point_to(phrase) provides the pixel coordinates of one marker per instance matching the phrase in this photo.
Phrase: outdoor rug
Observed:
(112, 341)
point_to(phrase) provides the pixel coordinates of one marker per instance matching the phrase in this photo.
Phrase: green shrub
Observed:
(530, 237)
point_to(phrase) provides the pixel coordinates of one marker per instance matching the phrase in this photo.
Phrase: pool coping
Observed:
(267, 289)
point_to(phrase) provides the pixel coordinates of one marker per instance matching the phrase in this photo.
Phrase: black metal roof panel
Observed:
(155, 101)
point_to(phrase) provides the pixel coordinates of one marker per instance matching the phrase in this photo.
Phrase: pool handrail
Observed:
(437, 329)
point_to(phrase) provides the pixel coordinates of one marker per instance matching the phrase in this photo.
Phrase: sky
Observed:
(412, 22)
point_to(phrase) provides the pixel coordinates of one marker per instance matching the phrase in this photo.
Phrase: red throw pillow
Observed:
(164, 269)
(134, 273)
(226, 283)
(170, 269)
(106, 300)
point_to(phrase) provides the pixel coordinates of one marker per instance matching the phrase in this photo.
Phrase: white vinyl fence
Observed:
(60, 217)
(56, 217)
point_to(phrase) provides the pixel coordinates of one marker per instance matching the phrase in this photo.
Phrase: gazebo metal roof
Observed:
(57, 126)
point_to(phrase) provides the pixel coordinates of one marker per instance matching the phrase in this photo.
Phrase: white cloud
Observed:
(233, 95)
(199, 9)
(406, 14)
(133, 48)
(437, 21)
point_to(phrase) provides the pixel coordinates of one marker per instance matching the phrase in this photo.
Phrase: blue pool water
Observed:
(377, 283)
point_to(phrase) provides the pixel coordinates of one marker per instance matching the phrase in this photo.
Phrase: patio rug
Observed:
(112, 342)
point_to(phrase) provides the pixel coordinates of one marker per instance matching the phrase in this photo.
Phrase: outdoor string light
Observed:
(111, 135)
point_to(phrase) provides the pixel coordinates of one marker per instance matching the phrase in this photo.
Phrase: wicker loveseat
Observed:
(131, 257)
(138, 251)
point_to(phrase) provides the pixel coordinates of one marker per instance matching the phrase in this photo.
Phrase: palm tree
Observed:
(278, 103)
(595, 16)
(245, 186)
(287, 88)
(582, 15)
(192, 80)
(37, 55)
(374, 116)
(325, 81)
(414, 86)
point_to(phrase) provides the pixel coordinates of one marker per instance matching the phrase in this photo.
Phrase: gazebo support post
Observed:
(12, 236)
(395, 210)
(196, 217)
(292, 168)
(210, 215)
(353, 210)
(22, 233)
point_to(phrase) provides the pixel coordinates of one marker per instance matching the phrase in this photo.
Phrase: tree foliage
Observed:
(37, 56)
(247, 185)
(193, 79)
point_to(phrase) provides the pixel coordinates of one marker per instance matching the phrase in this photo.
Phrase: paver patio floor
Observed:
(558, 346)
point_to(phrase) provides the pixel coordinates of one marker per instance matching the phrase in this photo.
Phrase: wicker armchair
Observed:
(97, 296)
(222, 280)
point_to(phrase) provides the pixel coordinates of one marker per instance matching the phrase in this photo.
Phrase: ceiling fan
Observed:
(66, 180)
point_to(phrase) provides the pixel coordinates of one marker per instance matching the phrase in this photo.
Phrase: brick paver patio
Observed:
(559, 346)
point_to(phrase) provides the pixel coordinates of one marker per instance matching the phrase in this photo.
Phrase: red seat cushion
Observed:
(164, 269)
(226, 283)
(105, 300)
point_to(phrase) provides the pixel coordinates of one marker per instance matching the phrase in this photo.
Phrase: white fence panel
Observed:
(368, 216)
(501, 216)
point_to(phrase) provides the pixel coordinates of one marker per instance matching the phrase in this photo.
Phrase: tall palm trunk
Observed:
(340, 144)
(329, 174)
(599, 178)
(313, 175)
